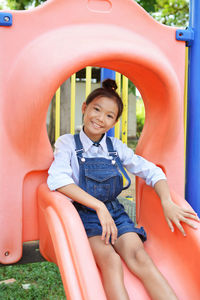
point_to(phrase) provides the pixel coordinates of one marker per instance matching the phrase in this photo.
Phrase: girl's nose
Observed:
(101, 117)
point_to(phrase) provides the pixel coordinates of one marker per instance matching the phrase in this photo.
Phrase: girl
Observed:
(88, 168)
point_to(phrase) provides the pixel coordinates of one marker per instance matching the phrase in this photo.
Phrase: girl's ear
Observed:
(84, 105)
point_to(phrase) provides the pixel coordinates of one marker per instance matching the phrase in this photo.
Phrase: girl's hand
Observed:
(176, 214)
(109, 228)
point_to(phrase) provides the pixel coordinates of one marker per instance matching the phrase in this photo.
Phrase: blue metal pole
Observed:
(192, 191)
(105, 74)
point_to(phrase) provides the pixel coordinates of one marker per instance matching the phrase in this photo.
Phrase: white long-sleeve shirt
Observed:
(64, 169)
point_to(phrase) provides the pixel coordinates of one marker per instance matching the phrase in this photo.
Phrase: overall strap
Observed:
(79, 146)
(115, 156)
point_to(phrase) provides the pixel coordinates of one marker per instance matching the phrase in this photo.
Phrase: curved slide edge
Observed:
(176, 256)
(64, 242)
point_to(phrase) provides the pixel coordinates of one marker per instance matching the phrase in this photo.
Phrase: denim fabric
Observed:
(102, 178)
(123, 222)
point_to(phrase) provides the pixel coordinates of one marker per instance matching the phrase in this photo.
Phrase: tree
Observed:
(173, 12)
(168, 12)
(148, 5)
(23, 4)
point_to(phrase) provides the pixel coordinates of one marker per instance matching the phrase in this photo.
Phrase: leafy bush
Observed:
(140, 124)
(140, 116)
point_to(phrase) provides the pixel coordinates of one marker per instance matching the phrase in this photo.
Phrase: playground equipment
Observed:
(115, 131)
(43, 48)
(192, 192)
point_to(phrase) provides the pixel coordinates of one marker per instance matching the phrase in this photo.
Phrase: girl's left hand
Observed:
(175, 214)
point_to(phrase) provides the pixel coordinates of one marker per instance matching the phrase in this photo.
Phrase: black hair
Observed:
(108, 90)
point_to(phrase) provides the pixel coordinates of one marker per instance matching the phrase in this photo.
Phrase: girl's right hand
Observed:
(109, 228)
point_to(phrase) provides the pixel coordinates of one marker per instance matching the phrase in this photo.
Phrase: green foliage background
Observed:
(169, 12)
(23, 4)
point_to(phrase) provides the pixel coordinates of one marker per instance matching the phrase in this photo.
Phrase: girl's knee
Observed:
(111, 260)
(141, 257)
(139, 261)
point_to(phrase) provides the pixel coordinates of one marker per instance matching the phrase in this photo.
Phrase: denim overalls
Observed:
(102, 178)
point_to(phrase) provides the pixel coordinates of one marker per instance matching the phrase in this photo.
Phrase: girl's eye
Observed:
(110, 116)
(96, 108)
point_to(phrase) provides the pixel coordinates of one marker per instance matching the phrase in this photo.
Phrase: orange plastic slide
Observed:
(43, 48)
(176, 256)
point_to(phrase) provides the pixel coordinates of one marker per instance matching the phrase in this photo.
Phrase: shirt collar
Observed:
(87, 142)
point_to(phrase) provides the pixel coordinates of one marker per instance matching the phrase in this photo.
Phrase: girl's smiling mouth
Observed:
(96, 125)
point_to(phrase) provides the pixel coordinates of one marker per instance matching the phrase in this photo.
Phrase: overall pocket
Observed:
(99, 183)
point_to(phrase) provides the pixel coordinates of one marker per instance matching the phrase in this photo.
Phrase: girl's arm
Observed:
(60, 179)
(77, 194)
(155, 177)
(174, 213)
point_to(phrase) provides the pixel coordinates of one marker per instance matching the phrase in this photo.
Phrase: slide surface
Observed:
(118, 35)
(63, 241)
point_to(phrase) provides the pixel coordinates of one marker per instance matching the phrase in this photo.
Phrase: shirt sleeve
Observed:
(60, 171)
(138, 165)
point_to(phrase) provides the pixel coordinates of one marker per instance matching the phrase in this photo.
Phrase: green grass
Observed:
(43, 278)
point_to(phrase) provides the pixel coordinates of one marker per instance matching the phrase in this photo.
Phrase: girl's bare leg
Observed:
(131, 249)
(109, 263)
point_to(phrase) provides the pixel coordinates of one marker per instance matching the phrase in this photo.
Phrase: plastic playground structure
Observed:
(42, 48)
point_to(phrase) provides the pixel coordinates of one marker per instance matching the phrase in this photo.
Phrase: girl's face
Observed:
(99, 116)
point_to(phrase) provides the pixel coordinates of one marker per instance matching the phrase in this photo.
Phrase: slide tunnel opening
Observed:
(136, 108)
(154, 86)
